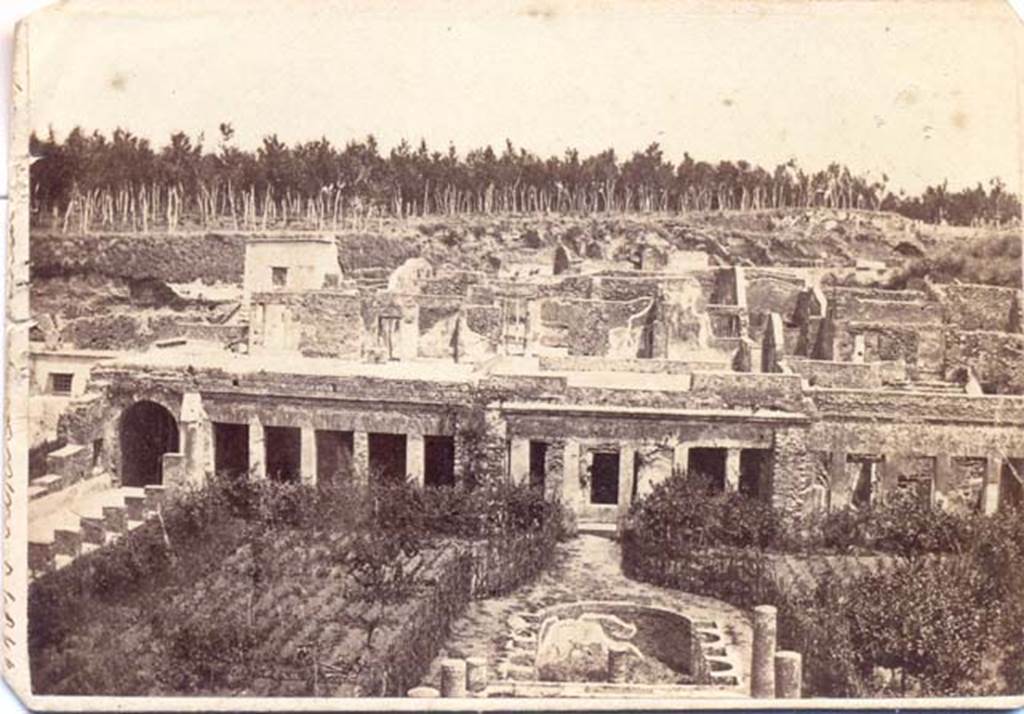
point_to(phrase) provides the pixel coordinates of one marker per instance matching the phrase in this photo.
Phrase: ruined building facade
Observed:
(594, 384)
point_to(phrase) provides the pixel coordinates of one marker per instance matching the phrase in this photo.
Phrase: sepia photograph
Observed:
(650, 354)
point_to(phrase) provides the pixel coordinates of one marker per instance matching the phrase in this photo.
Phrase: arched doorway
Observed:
(148, 431)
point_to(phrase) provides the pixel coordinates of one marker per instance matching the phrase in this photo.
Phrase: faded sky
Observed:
(923, 91)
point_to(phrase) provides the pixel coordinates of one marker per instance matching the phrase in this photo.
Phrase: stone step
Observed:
(135, 504)
(68, 542)
(40, 557)
(154, 497)
(114, 519)
(61, 560)
(36, 491)
(608, 530)
(93, 530)
(51, 482)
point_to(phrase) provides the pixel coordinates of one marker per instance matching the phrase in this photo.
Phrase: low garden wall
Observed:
(465, 572)
(741, 575)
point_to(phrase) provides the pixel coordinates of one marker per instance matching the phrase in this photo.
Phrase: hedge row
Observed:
(939, 612)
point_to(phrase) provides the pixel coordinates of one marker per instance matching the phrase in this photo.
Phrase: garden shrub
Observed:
(684, 512)
(945, 617)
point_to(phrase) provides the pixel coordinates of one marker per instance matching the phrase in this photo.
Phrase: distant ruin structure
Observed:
(594, 386)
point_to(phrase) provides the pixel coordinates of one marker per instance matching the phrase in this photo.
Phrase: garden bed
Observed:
(257, 598)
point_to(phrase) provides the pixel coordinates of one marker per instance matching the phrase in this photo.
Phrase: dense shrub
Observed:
(987, 259)
(683, 513)
(945, 617)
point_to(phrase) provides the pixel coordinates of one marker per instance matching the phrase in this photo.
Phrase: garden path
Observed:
(586, 568)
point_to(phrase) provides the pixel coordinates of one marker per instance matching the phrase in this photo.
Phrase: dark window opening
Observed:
(708, 464)
(863, 472)
(755, 473)
(60, 382)
(604, 478)
(231, 449)
(333, 457)
(283, 445)
(387, 457)
(636, 478)
(438, 461)
(646, 347)
(97, 452)
(538, 463)
(916, 477)
(1011, 487)
(279, 277)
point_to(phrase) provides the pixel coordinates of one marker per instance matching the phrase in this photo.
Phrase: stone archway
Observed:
(148, 431)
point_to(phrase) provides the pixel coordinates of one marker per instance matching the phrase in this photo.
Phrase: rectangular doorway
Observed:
(284, 452)
(863, 471)
(538, 463)
(709, 464)
(1011, 487)
(333, 457)
(604, 478)
(230, 449)
(755, 473)
(438, 461)
(387, 457)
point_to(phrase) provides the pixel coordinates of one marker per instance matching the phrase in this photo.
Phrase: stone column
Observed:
(257, 450)
(519, 461)
(886, 475)
(453, 678)
(476, 674)
(762, 666)
(361, 457)
(571, 495)
(838, 481)
(195, 423)
(618, 666)
(414, 458)
(680, 458)
(732, 469)
(627, 474)
(788, 674)
(792, 470)
(993, 475)
(307, 462)
(173, 474)
(943, 473)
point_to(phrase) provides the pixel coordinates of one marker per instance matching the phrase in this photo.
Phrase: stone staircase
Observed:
(59, 535)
